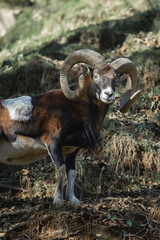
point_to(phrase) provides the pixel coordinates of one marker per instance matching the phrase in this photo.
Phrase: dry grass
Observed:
(123, 151)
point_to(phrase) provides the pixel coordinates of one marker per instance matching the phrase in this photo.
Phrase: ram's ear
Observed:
(86, 69)
(107, 67)
(96, 75)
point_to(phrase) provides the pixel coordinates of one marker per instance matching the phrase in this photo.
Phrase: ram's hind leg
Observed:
(71, 174)
(55, 152)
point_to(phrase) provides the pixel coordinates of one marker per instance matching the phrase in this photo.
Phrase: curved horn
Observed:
(126, 66)
(90, 57)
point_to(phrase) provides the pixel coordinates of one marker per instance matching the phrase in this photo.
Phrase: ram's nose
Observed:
(109, 94)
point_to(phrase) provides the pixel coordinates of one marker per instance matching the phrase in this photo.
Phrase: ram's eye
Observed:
(96, 76)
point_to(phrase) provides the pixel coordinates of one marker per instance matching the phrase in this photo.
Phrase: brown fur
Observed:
(57, 126)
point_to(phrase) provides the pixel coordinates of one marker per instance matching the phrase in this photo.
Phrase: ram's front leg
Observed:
(55, 152)
(71, 175)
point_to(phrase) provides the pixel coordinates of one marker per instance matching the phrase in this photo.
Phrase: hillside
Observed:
(119, 181)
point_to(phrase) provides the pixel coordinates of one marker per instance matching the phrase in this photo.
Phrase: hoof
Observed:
(58, 202)
(58, 199)
(74, 200)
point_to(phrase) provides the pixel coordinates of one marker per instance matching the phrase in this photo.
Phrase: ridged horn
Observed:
(126, 66)
(90, 57)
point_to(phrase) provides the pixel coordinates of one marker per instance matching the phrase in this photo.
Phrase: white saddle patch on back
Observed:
(20, 109)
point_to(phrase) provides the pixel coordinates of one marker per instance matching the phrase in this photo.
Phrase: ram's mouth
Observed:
(106, 100)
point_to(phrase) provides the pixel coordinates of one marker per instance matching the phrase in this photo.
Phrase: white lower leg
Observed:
(58, 194)
(70, 190)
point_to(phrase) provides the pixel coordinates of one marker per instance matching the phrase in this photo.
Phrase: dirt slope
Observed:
(118, 182)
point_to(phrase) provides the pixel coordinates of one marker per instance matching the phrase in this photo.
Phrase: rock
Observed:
(7, 20)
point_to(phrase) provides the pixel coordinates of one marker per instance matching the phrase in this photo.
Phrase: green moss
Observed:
(150, 53)
(25, 29)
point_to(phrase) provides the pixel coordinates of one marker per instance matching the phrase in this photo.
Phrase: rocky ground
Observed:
(118, 183)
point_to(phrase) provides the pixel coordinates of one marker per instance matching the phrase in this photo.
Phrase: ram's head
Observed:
(105, 76)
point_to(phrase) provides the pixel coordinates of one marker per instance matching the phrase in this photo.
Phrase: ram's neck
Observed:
(98, 109)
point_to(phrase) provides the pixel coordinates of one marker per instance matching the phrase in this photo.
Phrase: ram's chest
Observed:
(22, 151)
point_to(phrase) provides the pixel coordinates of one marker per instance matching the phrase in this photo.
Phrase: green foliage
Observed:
(129, 222)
